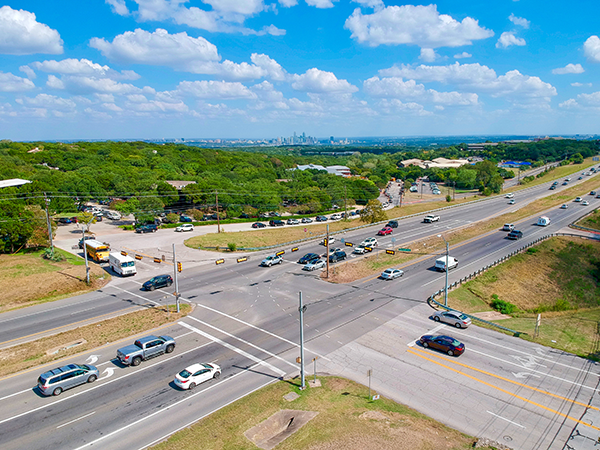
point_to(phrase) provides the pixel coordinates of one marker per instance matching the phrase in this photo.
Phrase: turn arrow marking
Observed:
(524, 375)
(92, 359)
(110, 371)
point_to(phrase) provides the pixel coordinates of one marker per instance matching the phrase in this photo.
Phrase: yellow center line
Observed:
(504, 391)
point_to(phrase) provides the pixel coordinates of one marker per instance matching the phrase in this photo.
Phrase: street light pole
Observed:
(87, 267)
(447, 261)
(301, 309)
(47, 202)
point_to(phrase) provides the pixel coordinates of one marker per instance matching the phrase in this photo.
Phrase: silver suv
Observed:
(57, 380)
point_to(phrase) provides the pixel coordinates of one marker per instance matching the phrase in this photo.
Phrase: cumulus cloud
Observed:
(520, 21)
(320, 82)
(581, 84)
(322, 4)
(118, 7)
(29, 72)
(508, 38)
(375, 4)
(22, 34)
(591, 49)
(91, 85)
(423, 26)
(463, 55)
(428, 55)
(569, 68)
(288, 3)
(84, 67)
(13, 83)
(395, 106)
(214, 89)
(48, 102)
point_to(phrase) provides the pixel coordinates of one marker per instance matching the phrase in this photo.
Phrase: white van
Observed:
(543, 221)
(122, 264)
(440, 263)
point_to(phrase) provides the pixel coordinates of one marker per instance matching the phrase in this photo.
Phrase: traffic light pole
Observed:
(301, 309)
(176, 282)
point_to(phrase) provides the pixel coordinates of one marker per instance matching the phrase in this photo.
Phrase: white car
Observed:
(318, 264)
(185, 227)
(585, 203)
(359, 250)
(455, 318)
(390, 274)
(512, 202)
(430, 218)
(509, 195)
(336, 216)
(195, 374)
(306, 220)
(369, 242)
(271, 260)
(578, 199)
(293, 222)
(508, 227)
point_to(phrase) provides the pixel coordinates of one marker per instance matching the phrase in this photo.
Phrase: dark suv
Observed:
(321, 219)
(276, 223)
(337, 256)
(514, 235)
(149, 228)
(158, 282)
(392, 224)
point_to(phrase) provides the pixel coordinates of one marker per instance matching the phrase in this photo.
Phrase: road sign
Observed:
(305, 230)
(404, 249)
(393, 240)
(342, 240)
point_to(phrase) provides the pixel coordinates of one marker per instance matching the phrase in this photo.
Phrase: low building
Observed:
(179, 185)
(341, 171)
(13, 182)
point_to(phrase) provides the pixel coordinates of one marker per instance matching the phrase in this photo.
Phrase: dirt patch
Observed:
(278, 427)
(491, 315)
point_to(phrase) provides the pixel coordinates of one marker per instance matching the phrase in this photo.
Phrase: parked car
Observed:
(258, 225)
(293, 221)
(192, 376)
(113, 215)
(306, 220)
(321, 219)
(392, 224)
(514, 235)
(157, 282)
(309, 257)
(390, 274)
(454, 318)
(338, 255)
(384, 231)
(276, 223)
(185, 227)
(271, 260)
(430, 218)
(148, 228)
(184, 218)
(369, 242)
(336, 216)
(244, 216)
(508, 227)
(55, 381)
(446, 344)
(145, 348)
(314, 265)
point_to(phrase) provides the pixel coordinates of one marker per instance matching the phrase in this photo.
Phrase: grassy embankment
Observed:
(559, 279)
(346, 419)
(592, 221)
(35, 353)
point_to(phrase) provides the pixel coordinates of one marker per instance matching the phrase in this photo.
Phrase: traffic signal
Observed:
(178, 267)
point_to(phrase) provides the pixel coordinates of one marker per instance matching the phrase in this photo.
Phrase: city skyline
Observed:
(125, 69)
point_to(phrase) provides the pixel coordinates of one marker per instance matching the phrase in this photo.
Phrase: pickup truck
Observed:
(145, 348)
(430, 218)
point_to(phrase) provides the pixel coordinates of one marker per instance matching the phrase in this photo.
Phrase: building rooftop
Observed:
(13, 182)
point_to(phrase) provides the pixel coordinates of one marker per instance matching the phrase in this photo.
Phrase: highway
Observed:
(246, 320)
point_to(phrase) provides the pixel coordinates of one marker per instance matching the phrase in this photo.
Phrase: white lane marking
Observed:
(509, 421)
(235, 349)
(244, 341)
(433, 330)
(101, 385)
(185, 399)
(16, 393)
(260, 329)
(533, 370)
(82, 417)
(524, 375)
(528, 362)
(135, 295)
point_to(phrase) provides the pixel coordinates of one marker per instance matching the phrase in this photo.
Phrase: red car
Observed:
(384, 231)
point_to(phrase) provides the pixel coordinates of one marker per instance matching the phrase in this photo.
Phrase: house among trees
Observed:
(341, 171)
(179, 185)
(13, 182)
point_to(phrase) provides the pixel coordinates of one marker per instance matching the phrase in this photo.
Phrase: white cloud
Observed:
(508, 38)
(321, 82)
(13, 83)
(84, 67)
(589, 99)
(569, 104)
(591, 49)
(569, 68)
(463, 55)
(288, 3)
(581, 84)
(137, 98)
(214, 89)
(118, 7)
(395, 106)
(54, 82)
(48, 102)
(271, 68)
(520, 21)
(375, 4)
(29, 72)
(91, 85)
(105, 98)
(419, 25)
(322, 4)
(428, 55)
(22, 34)
(111, 107)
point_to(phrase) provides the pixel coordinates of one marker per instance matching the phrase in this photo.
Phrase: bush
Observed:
(532, 250)
(52, 256)
(232, 246)
(195, 214)
(172, 218)
(502, 306)
(448, 198)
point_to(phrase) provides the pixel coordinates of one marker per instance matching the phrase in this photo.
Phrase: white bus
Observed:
(122, 264)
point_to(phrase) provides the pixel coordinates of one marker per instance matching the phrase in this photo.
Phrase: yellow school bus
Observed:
(96, 250)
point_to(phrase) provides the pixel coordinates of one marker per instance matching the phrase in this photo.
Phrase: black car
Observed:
(514, 235)
(258, 225)
(158, 282)
(321, 219)
(276, 223)
(183, 218)
(445, 344)
(244, 216)
(149, 228)
(392, 224)
(552, 187)
(337, 256)
(309, 257)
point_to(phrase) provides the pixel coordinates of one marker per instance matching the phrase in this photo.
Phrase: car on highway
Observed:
(514, 235)
(578, 199)
(585, 203)
(308, 258)
(293, 222)
(565, 183)
(430, 218)
(580, 178)
(145, 348)
(385, 231)
(446, 344)
(593, 193)
(307, 220)
(509, 195)
(390, 274)
(555, 183)
(314, 265)
(598, 196)
(564, 206)
(552, 187)
(185, 227)
(271, 260)
(512, 202)
(192, 376)
(258, 225)
(336, 256)
(508, 227)
(55, 381)
(392, 224)
(158, 281)
(369, 242)
(454, 318)
(359, 249)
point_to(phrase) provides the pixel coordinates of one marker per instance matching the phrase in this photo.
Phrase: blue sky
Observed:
(149, 69)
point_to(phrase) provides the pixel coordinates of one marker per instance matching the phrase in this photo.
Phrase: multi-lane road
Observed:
(246, 320)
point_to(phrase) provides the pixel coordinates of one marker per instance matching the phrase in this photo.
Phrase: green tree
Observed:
(372, 212)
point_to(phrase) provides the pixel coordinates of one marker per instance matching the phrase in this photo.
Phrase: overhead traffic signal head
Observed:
(179, 268)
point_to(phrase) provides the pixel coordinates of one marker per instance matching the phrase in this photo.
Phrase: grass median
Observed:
(346, 419)
(61, 345)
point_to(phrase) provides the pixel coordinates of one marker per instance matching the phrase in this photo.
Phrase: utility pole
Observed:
(421, 187)
(47, 202)
(447, 261)
(87, 267)
(345, 203)
(327, 250)
(176, 281)
(301, 309)
(217, 202)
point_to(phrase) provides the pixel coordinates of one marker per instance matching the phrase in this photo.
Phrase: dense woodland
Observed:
(245, 181)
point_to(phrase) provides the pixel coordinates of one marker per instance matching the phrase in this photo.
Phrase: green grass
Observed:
(592, 221)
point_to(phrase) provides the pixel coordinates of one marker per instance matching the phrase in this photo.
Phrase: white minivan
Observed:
(440, 263)
(122, 264)
(543, 221)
